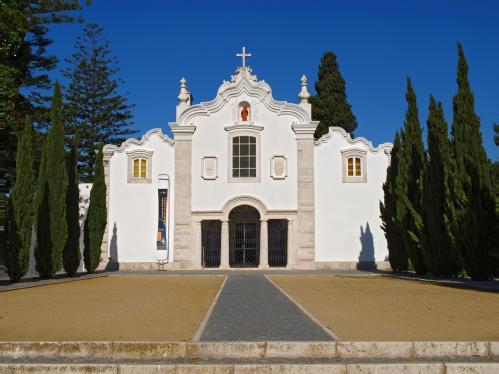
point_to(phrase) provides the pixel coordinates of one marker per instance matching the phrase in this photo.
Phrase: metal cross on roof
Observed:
(244, 55)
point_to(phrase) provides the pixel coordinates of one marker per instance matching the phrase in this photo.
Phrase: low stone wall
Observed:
(352, 265)
(115, 351)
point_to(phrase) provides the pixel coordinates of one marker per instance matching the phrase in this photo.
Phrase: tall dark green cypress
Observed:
(438, 245)
(396, 252)
(95, 224)
(413, 161)
(21, 208)
(330, 105)
(474, 199)
(71, 256)
(51, 213)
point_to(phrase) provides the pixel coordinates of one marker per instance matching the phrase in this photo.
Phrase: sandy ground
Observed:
(382, 308)
(109, 308)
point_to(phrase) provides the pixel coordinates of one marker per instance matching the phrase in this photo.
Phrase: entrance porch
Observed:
(243, 235)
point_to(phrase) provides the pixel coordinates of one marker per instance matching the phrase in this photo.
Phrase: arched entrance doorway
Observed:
(244, 237)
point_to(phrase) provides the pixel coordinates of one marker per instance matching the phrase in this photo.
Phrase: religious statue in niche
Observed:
(244, 113)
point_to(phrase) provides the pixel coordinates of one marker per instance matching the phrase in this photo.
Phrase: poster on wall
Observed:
(162, 234)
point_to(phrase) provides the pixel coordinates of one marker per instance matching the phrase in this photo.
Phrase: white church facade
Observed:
(243, 183)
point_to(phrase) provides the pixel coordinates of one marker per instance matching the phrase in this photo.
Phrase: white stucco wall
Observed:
(211, 139)
(347, 214)
(133, 207)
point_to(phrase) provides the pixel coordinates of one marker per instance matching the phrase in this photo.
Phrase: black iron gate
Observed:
(278, 242)
(244, 240)
(211, 243)
(245, 244)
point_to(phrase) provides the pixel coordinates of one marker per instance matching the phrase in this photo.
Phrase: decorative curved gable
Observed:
(386, 147)
(109, 149)
(243, 82)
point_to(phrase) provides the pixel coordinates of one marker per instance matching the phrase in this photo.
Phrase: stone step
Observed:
(116, 351)
(336, 368)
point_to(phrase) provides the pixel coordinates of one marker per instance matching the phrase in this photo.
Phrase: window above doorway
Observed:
(244, 151)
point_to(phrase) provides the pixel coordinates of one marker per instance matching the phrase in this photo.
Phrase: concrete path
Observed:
(250, 308)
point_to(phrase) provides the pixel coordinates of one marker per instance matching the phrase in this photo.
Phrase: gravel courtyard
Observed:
(109, 308)
(381, 308)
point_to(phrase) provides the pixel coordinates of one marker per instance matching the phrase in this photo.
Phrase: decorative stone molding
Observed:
(109, 149)
(209, 168)
(244, 200)
(360, 140)
(182, 132)
(305, 130)
(279, 167)
(243, 127)
(244, 82)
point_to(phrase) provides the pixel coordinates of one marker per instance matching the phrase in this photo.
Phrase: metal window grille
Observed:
(278, 242)
(211, 241)
(244, 157)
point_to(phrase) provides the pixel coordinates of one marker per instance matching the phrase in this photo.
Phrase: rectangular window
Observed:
(136, 168)
(244, 157)
(358, 169)
(143, 168)
(350, 167)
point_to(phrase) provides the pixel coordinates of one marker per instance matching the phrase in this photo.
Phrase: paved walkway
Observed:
(250, 308)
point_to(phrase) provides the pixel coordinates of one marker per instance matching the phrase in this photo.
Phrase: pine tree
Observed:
(397, 254)
(98, 112)
(330, 105)
(51, 197)
(95, 224)
(21, 208)
(438, 246)
(473, 200)
(412, 160)
(71, 256)
(25, 63)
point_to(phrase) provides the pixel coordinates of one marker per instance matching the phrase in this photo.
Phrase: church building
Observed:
(244, 184)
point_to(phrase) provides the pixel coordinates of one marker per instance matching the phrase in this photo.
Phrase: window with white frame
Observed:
(139, 166)
(354, 165)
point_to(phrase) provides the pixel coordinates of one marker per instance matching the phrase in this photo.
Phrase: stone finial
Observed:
(304, 95)
(184, 96)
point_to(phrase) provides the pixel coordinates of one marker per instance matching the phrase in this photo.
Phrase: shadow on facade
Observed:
(366, 256)
(113, 263)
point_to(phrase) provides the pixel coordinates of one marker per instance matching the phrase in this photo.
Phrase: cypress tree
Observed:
(21, 208)
(438, 246)
(51, 213)
(95, 224)
(474, 199)
(413, 162)
(99, 112)
(397, 254)
(330, 105)
(71, 256)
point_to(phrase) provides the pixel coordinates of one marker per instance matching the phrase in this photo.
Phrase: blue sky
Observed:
(378, 44)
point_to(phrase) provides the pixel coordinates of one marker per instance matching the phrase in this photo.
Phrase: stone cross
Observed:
(244, 55)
